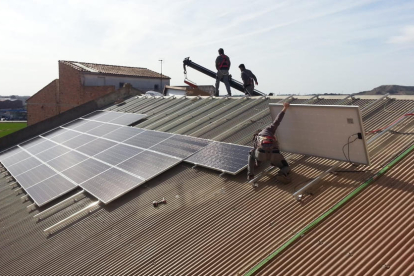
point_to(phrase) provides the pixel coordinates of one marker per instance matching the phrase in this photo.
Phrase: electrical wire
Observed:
(393, 123)
(348, 158)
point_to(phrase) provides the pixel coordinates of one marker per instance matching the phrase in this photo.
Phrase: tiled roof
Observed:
(214, 225)
(113, 69)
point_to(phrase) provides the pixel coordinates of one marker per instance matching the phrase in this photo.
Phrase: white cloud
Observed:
(406, 36)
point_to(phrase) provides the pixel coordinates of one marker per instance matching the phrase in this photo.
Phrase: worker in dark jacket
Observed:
(248, 80)
(266, 148)
(223, 66)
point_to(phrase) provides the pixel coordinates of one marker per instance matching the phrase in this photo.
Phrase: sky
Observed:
(293, 47)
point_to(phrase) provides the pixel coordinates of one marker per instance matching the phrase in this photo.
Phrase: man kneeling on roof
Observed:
(266, 148)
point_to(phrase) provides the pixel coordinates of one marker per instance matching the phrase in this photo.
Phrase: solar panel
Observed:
(221, 156)
(88, 125)
(39, 147)
(34, 176)
(65, 136)
(108, 116)
(181, 146)
(103, 129)
(32, 142)
(323, 131)
(9, 152)
(85, 170)
(94, 115)
(17, 157)
(111, 185)
(49, 189)
(52, 153)
(54, 132)
(79, 141)
(66, 161)
(117, 154)
(147, 139)
(148, 164)
(75, 123)
(128, 119)
(123, 133)
(24, 166)
(96, 146)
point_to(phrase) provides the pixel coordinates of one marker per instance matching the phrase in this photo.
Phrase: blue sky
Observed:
(292, 46)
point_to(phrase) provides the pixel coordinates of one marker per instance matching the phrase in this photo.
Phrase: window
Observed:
(121, 84)
(156, 87)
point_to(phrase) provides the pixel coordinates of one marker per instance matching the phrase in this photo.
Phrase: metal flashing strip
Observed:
(85, 67)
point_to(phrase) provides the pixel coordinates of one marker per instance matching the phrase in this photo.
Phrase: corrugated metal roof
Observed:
(215, 225)
(113, 69)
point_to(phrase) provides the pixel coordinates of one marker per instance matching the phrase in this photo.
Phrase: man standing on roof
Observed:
(223, 67)
(266, 148)
(248, 80)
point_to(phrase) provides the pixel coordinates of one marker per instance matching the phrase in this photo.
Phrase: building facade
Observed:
(81, 82)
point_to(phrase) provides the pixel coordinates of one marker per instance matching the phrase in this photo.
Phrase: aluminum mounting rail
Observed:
(235, 102)
(181, 112)
(193, 114)
(226, 118)
(242, 125)
(167, 112)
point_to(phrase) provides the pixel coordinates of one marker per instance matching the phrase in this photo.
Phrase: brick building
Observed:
(81, 82)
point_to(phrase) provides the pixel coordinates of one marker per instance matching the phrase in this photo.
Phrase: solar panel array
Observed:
(112, 117)
(221, 156)
(108, 160)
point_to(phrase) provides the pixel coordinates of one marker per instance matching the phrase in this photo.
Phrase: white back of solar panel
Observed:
(322, 131)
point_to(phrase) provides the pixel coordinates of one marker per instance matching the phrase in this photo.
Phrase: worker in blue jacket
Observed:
(266, 148)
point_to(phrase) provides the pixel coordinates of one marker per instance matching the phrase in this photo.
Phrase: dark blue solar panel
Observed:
(123, 133)
(148, 164)
(117, 154)
(79, 141)
(85, 170)
(111, 185)
(66, 160)
(34, 176)
(147, 139)
(181, 146)
(49, 189)
(223, 157)
(96, 146)
(23, 166)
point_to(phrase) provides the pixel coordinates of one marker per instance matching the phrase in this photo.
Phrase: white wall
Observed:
(143, 84)
(177, 92)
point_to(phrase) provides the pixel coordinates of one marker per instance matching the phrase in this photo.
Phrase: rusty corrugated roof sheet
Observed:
(215, 225)
(113, 69)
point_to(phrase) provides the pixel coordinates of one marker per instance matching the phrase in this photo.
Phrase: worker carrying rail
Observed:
(223, 66)
(266, 148)
(248, 80)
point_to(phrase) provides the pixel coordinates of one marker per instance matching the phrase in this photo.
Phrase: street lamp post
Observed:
(161, 76)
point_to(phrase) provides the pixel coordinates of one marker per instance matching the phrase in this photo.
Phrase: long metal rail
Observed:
(233, 83)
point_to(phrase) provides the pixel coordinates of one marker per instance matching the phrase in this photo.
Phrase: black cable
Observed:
(347, 144)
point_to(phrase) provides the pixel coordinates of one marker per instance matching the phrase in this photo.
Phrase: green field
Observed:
(7, 128)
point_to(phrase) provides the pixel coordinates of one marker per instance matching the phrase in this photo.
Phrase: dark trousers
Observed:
(273, 156)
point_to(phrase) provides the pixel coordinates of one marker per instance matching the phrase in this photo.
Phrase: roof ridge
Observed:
(72, 61)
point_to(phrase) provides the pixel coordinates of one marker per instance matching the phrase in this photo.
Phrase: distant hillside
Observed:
(392, 89)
